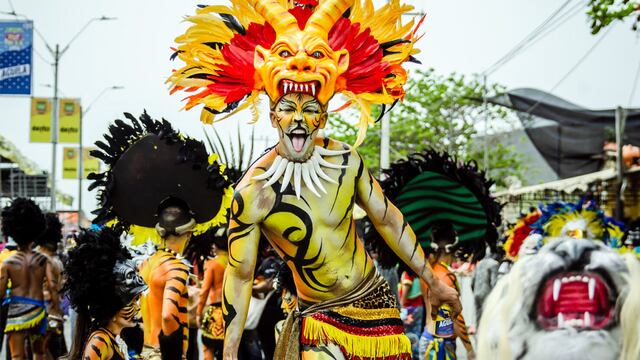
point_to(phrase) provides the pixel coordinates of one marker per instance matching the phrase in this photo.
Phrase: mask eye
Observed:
(285, 54)
(317, 54)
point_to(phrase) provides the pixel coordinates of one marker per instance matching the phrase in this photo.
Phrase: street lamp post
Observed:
(83, 113)
(57, 54)
(385, 131)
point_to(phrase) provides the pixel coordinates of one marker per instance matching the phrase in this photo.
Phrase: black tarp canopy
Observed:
(569, 137)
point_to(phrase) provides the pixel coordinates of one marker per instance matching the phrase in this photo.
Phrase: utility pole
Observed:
(54, 128)
(621, 117)
(486, 124)
(385, 132)
(80, 166)
(57, 54)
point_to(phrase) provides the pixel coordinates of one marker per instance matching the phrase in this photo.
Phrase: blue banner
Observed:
(16, 57)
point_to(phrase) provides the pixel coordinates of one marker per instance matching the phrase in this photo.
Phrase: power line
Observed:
(41, 56)
(527, 39)
(11, 6)
(576, 9)
(572, 69)
(635, 85)
(582, 59)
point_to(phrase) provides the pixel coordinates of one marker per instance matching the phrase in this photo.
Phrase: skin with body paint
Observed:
(165, 304)
(28, 270)
(315, 235)
(102, 343)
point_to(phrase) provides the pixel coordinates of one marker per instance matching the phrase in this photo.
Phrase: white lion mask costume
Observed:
(575, 299)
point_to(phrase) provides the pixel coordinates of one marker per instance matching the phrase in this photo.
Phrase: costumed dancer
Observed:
(438, 340)
(450, 206)
(54, 342)
(301, 193)
(568, 295)
(104, 288)
(164, 187)
(27, 270)
(575, 298)
(209, 310)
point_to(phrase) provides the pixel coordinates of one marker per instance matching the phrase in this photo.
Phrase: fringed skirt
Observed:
(368, 329)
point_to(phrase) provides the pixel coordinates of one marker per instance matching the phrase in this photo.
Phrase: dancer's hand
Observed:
(442, 294)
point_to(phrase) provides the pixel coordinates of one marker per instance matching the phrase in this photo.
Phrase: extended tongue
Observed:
(298, 142)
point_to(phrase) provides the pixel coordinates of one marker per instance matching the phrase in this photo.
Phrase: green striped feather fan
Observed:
(430, 187)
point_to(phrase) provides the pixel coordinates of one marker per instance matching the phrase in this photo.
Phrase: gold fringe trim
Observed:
(356, 345)
(368, 314)
(26, 325)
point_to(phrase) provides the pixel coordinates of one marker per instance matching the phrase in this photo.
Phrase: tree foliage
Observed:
(440, 112)
(604, 12)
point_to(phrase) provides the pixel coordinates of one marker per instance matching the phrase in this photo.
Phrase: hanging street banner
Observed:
(89, 163)
(16, 57)
(69, 130)
(41, 116)
(70, 163)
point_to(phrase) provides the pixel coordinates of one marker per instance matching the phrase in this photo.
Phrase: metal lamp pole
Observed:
(83, 113)
(57, 54)
(385, 131)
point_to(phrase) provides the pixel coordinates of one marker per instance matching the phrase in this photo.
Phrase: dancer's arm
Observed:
(173, 338)
(243, 237)
(399, 236)
(53, 281)
(4, 280)
(206, 285)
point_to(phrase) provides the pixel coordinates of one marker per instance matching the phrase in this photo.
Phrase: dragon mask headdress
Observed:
(233, 54)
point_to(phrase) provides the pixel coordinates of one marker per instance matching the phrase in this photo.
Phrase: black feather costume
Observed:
(429, 187)
(23, 221)
(96, 288)
(53, 235)
(148, 161)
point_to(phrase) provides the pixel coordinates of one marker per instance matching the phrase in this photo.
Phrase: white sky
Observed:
(465, 36)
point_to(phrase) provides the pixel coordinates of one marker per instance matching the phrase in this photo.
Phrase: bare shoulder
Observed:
(335, 145)
(258, 167)
(332, 144)
(98, 346)
(252, 199)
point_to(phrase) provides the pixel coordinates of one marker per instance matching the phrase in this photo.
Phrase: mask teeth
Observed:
(303, 88)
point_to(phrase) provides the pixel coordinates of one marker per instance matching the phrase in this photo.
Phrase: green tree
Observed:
(440, 112)
(604, 12)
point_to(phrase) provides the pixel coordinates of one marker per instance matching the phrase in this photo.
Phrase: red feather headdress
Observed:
(232, 55)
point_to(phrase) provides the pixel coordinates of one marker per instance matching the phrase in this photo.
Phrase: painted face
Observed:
(129, 284)
(129, 315)
(300, 62)
(298, 117)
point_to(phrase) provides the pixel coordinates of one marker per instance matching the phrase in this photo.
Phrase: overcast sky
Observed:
(464, 36)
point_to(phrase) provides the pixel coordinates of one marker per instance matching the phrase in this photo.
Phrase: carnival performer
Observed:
(438, 340)
(27, 271)
(301, 193)
(164, 187)
(48, 242)
(210, 304)
(455, 217)
(575, 298)
(104, 287)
